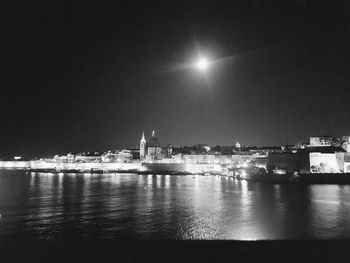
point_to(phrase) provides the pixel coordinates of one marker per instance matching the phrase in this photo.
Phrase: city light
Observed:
(243, 174)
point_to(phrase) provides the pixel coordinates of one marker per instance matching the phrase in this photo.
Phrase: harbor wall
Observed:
(14, 164)
(203, 168)
(84, 166)
(181, 167)
(159, 167)
(135, 167)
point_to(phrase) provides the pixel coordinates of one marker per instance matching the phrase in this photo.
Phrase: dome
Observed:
(153, 141)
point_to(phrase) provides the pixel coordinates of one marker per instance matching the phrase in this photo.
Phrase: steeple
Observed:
(143, 137)
(143, 146)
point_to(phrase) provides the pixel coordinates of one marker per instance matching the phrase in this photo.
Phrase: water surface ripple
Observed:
(131, 206)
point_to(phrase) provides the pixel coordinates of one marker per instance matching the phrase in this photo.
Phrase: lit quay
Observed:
(322, 159)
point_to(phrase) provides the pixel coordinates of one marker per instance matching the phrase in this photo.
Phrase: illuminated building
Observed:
(88, 158)
(320, 141)
(199, 158)
(211, 159)
(151, 150)
(79, 158)
(110, 156)
(123, 156)
(69, 158)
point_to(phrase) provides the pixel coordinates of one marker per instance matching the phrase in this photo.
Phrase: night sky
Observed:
(92, 76)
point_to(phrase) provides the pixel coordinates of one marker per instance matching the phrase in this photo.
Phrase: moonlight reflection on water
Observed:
(132, 206)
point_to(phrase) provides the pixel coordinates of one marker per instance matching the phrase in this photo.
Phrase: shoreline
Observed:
(305, 178)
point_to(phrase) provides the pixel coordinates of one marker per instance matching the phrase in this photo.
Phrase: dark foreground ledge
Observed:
(89, 250)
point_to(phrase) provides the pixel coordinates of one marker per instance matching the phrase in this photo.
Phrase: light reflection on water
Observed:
(134, 206)
(330, 208)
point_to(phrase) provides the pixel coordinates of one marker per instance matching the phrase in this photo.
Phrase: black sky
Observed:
(91, 75)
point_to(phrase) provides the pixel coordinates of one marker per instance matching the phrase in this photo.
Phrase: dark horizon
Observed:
(91, 75)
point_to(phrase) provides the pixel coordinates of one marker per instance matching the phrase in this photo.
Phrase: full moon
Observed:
(202, 64)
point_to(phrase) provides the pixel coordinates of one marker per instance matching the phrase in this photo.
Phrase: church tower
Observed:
(143, 147)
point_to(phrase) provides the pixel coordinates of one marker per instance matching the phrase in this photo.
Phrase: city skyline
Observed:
(174, 130)
(212, 148)
(76, 84)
